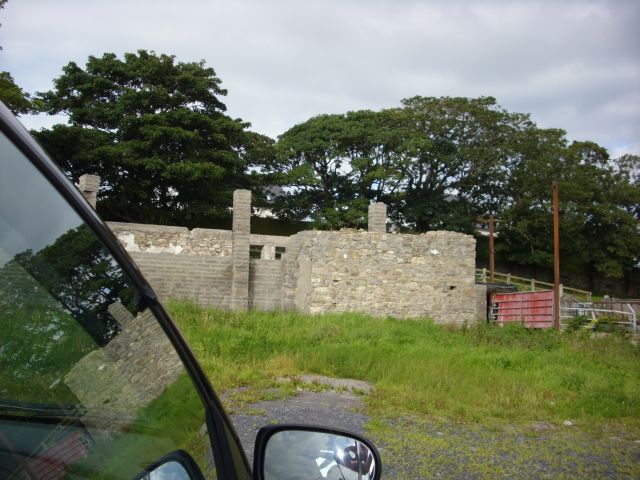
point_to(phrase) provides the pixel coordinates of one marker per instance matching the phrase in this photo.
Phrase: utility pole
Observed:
(491, 249)
(556, 258)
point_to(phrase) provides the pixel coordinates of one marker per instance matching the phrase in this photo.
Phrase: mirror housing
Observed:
(290, 451)
(177, 465)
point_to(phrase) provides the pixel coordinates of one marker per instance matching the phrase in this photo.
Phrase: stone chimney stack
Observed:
(378, 217)
(89, 186)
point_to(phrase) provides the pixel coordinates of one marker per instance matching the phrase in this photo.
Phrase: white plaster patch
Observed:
(435, 252)
(128, 240)
(175, 249)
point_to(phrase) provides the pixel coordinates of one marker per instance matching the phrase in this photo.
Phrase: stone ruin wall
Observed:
(404, 276)
(140, 237)
(373, 272)
(137, 237)
(198, 264)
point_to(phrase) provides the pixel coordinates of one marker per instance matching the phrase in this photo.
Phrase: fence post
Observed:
(533, 284)
(561, 290)
(634, 319)
(508, 279)
(484, 275)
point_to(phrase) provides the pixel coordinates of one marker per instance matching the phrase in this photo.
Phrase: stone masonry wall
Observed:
(265, 284)
(138, 237)
(207, 280)
(197, 264)
(374, 272)
(405, 276)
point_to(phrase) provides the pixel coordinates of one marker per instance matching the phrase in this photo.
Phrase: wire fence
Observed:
(625, 316)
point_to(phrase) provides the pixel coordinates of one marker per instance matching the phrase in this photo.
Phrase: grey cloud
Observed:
(573, 65)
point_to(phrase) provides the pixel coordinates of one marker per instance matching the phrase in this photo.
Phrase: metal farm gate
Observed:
(533, 309)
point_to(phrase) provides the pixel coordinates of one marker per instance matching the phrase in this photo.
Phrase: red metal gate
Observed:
(533, 309)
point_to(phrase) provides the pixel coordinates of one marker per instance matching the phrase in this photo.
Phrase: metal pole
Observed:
(556, 258)
(491, 249)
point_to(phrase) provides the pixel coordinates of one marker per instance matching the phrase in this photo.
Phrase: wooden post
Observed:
(484, 275)
(556, 258)
(533, 284)
(491, 250)
(508, 278)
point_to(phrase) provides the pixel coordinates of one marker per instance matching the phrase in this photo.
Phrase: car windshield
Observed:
(87, 379)
(57, 286)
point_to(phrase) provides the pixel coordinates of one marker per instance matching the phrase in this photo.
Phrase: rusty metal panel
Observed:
(533, 309)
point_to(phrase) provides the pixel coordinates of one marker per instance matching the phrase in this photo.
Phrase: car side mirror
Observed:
(287, 452)
(176, 466)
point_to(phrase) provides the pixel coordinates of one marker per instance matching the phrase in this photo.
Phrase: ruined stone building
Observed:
(373, 272)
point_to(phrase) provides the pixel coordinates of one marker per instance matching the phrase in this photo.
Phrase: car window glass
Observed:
(90, 386)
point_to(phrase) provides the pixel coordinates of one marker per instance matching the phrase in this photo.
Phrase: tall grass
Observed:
(476, 373)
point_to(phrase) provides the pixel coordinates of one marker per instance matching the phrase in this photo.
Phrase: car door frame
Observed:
(219, 425)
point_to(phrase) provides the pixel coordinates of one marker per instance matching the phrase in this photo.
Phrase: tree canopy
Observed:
(17, 100)
(437, 162)
(336, 164)
(440, 163)
(597, 203)
(156, 132)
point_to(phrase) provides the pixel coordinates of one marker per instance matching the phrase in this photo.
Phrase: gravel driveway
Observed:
(339, 405)
(423, 448)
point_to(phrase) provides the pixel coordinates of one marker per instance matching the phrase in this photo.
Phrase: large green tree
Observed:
(335, 165)
(437, 163)
(599, 233)
(156, 132)
(628, 169)
(460, 160)
(16, 99)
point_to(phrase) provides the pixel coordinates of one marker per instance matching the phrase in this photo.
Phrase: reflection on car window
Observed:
(89, 386)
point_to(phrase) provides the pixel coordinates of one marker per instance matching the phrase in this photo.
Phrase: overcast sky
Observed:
(571, 64)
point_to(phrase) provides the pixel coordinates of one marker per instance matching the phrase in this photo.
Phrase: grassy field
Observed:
(473, 374)
(431, 380)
